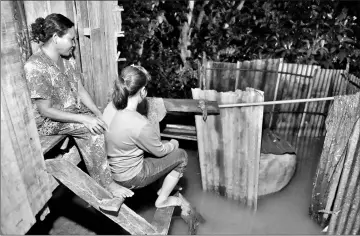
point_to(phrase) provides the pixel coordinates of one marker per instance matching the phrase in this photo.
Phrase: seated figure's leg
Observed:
(172, 166)
(91, 148)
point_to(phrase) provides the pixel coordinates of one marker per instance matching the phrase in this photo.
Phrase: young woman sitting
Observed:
(136, 155)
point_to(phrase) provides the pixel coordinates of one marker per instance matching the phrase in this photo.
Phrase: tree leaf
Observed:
(342, 54)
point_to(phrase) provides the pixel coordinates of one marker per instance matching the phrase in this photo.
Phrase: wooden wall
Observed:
(98, 24)
(35, 9)
(24, 181)
(229, 145)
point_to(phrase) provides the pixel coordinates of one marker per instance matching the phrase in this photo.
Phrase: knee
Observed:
(183, 156)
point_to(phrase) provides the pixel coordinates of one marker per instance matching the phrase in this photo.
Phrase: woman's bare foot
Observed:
(185, 205)
(169, 201)
(120, 191)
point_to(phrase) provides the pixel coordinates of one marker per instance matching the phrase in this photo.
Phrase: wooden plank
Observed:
(162, 220)
(70, 12)
(201, 134)
(97, 65)
(85, 46)
(190, 106)
(94, 10)
(215, 156)
(185, 132)
(179, 136)
(48, 142)
(33, 10)
(16, 214)
(108, 52)
(86, 188)
(19, 117)
(254, 154)
(111, 22)
(58, 7)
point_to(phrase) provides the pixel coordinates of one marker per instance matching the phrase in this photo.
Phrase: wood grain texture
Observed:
(48, 142)
(162, 220)
(17, 116)
(190, 106)
(16, 214)
(86, 188)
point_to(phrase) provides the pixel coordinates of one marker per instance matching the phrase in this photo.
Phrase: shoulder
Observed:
(35, 62)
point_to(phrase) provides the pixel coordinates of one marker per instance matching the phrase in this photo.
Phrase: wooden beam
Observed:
(185, 132)
(48, 142)
(162, 220)
(190, 106)
(90, 191)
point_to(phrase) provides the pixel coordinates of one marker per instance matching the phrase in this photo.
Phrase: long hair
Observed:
(43, 29)
(131, 80)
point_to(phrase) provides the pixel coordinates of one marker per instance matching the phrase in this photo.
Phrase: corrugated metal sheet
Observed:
(354, 85)
(258, 74)
(336, 196)
(295, 85)
(281, 81)
(229, 145)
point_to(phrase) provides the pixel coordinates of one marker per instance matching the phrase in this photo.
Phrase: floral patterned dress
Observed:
(46, 81)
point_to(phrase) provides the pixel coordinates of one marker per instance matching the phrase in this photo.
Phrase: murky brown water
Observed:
(285, 212)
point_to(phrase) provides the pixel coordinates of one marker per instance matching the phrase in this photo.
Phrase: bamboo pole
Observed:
(276, 102)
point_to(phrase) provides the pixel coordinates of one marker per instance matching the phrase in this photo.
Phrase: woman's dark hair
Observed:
(43, 29)
(131, 80)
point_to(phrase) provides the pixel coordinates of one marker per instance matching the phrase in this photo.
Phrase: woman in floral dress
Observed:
(60, 102)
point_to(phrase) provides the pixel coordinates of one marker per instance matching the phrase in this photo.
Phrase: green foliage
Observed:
(311, 32)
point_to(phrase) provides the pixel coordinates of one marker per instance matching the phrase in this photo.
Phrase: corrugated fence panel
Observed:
(258, 74)
(287, 117)
(353, 85)
(347, 201)
(229, 145)
(291, 81)
(221, 76)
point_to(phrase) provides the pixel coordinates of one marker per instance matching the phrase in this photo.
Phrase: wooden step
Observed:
(185, 132)
(48, 142)
(90, 191)
(162, 219)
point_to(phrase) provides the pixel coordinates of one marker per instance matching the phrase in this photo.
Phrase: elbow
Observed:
(45, 112)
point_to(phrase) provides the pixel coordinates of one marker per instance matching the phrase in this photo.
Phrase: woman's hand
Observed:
(94, 124)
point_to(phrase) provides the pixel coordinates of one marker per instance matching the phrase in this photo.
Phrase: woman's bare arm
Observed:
(87, 100)
(95, 125)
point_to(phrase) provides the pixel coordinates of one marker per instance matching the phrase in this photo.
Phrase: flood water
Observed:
(285, 212)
